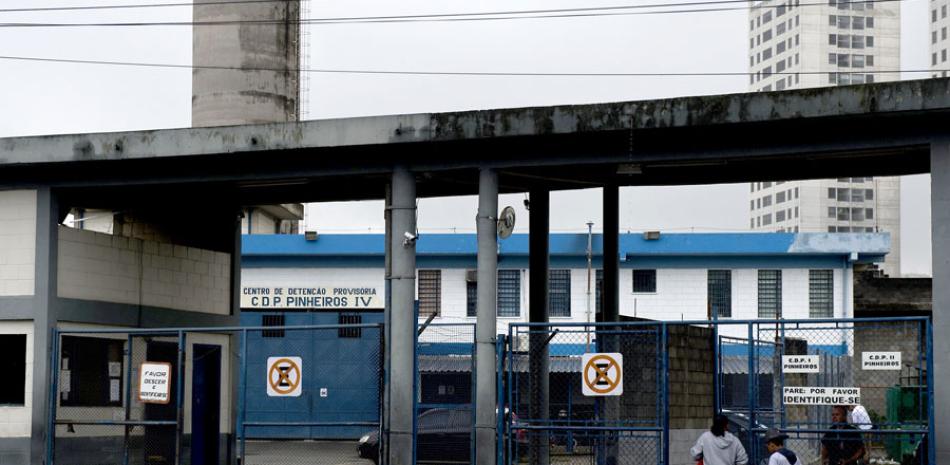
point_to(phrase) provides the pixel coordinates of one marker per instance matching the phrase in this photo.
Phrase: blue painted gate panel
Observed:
(347, 367)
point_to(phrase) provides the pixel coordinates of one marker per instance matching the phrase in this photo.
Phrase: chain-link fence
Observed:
(445, 393)
(261, 395)
(643, 392)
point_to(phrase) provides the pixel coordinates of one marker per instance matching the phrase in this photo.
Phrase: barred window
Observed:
(430, 292)
(821, 293)
(272, 320)
(770, 293)
(719, 291)
(471, 298)
(559, 292)
(509, 294)
(350, 319)
(644, 281)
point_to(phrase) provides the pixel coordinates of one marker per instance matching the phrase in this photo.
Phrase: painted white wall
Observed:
(15, 420)
(17, 242)
(102, 267)
(681, 293)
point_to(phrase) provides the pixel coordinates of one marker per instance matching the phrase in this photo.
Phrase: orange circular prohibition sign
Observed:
(601, 374)
(283, 376)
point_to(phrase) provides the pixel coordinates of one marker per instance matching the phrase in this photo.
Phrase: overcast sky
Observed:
(47, 98)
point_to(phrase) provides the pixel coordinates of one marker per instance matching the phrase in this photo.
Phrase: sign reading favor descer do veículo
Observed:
(155, 382)
(821, 396)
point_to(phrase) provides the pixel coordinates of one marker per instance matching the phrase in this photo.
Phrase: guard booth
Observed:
(163, 396)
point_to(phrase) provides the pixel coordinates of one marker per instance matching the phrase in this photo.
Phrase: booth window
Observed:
(13, 348)
(91, 372)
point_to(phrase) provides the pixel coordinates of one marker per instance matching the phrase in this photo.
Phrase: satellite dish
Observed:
(506, 222)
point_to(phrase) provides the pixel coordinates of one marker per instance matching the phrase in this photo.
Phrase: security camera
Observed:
(410, 239)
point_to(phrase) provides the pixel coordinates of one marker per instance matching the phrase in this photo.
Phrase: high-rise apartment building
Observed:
(794, 45)
(939, 22)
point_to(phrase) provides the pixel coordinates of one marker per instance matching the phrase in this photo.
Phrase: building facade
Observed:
(939, 22)
(841, 42)
(675, 277)
(843, 205)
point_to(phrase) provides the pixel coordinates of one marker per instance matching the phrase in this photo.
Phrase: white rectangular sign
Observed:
(155, 382)
(602, 374)
(821, 396)
(311, 297)
(880, 360)
(800, 363)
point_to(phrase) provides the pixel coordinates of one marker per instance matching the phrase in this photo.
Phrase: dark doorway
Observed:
(160, 439)
(205, 404)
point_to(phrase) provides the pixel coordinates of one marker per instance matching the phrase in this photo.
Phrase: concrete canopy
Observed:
(879, 129)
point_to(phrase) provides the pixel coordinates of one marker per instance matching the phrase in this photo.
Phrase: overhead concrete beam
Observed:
(930, 95)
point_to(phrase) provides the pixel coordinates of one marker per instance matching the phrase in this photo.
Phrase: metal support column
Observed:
(611, 306)
(401, 345)
(386, 335)
(538, 263)
(940, 224)
(611, 255)
(485, 324)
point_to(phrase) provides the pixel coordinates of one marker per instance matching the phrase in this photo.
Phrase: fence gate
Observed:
(643, 392)
(811, 377)
(262, 395)
(606, 410)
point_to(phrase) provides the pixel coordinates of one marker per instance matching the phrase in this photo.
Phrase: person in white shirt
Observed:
(778, 454)
(860, 417)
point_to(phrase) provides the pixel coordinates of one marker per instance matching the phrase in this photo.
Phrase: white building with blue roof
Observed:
(671, 277)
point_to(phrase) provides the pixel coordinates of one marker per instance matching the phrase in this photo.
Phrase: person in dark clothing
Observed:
(844, 447)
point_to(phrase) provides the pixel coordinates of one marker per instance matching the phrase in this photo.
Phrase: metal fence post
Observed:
(242, 397)
(53, 396)
(380, 446)
(180, 398)
(717, 369)
(128, 399)
(753, 379)
(666, 393)
(500, 414)
(931, 438)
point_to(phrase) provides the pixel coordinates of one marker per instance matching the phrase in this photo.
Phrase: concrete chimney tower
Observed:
(261, 35)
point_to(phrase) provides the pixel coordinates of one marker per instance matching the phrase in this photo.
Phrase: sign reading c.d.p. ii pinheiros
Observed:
(821, 396)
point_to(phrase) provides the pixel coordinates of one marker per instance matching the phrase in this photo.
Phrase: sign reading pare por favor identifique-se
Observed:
(821, 396)
(880, 360)
(800, 363)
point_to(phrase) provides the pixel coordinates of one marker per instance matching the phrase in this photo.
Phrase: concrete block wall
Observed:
(102, 267)
(903, 337)
(17, 242)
